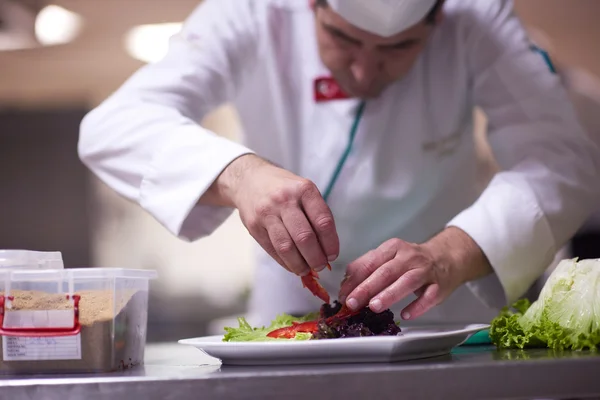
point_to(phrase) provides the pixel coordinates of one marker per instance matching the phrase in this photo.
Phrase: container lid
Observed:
(75, 273)
(31, 259)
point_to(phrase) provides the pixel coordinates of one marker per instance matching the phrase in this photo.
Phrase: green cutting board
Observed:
(479, 338)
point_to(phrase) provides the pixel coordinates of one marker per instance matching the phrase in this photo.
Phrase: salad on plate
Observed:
(331, 322)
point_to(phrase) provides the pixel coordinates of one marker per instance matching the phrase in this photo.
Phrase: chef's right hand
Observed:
(285, 213)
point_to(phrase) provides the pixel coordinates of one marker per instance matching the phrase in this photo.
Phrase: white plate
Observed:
(412, 343)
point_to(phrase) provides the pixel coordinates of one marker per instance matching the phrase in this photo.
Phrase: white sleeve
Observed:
(548, 184)
(145, 142)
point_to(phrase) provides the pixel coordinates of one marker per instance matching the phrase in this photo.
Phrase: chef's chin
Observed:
(366, 94)
(362, 93)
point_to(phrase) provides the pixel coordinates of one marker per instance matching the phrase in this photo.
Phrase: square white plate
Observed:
(411, 343)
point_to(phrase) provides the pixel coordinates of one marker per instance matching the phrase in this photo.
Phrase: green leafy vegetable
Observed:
(565, 317)
(246, 333)
(303, 336)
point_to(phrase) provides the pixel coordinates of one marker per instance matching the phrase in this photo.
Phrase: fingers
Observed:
(362, 268)
(430, 298)
(321, 219)
(389, 274)
(262, 237)
(285, 247)
(300, 232)
(304, 238)
(410, 282)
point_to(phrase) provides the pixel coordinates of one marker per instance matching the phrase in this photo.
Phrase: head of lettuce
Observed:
(566, 315)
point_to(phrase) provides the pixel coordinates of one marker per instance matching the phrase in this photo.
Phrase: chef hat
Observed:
(382, 17)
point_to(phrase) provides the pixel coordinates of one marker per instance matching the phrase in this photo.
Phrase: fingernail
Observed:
(352, 304)
(331, 258)
(319, 269)
(405, 315)
(375, 305)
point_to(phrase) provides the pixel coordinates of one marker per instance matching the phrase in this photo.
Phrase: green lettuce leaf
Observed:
(566, 315)
(246, 333)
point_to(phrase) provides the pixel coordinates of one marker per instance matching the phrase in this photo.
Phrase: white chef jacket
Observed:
(411, 167)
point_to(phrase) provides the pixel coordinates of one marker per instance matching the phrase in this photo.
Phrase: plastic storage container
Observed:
(31, 259)
(73, 320)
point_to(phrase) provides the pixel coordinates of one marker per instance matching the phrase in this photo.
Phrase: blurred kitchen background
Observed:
(60, 58)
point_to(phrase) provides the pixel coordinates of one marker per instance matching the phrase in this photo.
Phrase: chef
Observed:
(358, 150)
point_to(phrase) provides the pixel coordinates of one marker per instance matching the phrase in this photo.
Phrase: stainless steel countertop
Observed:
(179, 372)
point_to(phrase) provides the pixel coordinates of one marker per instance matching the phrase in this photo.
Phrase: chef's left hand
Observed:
(396, 269)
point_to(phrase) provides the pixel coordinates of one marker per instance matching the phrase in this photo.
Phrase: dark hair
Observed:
(429, 18)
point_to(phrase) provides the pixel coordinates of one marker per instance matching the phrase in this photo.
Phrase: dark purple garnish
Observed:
(365, 323)
(328, 310)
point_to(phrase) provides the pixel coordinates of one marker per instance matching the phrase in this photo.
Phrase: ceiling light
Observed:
(56, 25)
(150, 43)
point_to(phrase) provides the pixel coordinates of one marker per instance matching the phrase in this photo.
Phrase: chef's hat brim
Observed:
(382, 17)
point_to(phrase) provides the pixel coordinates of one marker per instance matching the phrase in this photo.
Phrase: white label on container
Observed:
(40, 348)
(43, 348)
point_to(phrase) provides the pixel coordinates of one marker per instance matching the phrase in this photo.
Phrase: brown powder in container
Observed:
(101, 313)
